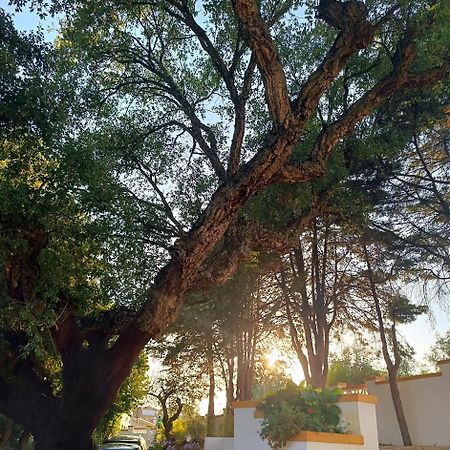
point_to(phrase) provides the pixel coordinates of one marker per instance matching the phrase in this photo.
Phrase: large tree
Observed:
(316, 280)
(173, 389)
(221, 100)
(391, 308)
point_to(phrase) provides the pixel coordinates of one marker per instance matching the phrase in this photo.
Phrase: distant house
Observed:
(146, 414)
(142, 422)
(142, 418)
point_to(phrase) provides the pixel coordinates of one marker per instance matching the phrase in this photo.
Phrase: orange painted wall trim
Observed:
(333, 438)
(362, 398)
(246, 404)
(356, 386)
(413, 377)
(258, 414)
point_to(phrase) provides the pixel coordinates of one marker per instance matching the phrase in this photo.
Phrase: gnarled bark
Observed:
(24, 440)
(6, 433)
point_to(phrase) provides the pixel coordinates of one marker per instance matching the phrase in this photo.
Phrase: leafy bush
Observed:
(172, 445)
(196, 428)
(223, 426)
(298, 408)
(179, 430)
(187, 434)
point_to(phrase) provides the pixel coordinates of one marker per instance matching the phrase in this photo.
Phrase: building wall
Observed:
(319, 446)
(357, 410)
(426, 404)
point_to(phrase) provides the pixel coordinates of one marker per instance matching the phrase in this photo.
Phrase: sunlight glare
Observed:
(272, 357)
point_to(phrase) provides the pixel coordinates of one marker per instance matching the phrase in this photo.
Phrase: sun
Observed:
(272, 357)
(293, 366)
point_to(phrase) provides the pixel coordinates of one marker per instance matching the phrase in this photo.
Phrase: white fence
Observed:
(426, 404)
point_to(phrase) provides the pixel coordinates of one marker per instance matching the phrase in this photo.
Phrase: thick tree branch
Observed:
(305, 171)
(189, 252)
(246, 236)
(356, 32)
(269, 64)
(239, 121)
(379, 94)
(67, 337)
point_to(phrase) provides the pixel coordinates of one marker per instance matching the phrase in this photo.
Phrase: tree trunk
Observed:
(318, 373)
(211, 394)
(91, 379)
(229, 383)
(311, 346)
(168, 430)
(6, 433)
(24, 440)
(402, 424)
(392, 367)
(71, 438)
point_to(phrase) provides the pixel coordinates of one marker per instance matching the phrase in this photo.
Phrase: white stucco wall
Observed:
(320, 446)
(247, 429)
(219, 443)
(426, 404)
(362, 419)
(357, 410)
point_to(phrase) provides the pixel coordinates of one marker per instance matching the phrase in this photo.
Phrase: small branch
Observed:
(188, 19)
(150, 177)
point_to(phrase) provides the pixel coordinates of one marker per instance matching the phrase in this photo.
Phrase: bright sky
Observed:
(30, 21)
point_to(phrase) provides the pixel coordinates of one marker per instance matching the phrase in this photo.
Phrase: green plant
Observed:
(299, 408)
(196, 428)
(179, 430)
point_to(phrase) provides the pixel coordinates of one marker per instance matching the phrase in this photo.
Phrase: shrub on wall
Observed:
(299, 408)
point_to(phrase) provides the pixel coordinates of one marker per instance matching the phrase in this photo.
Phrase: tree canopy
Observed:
(141, 156)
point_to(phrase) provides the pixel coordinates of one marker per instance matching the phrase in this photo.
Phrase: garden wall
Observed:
(357, 410)
(426, 403)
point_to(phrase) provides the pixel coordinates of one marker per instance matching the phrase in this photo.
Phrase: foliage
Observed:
(187, 434)
(353, 365)
(299, 408)
(228, 327)
(11, 434)
(171, 445)
(191, 428)
(176, 389)
(270, 378)
(53, 187)
(440, 350)
(408, 364)
(179, 430)
(223, 425)
(196, 428)
(142, 150)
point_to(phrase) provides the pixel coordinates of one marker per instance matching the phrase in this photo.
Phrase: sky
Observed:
(421, 334)
(30, 21)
